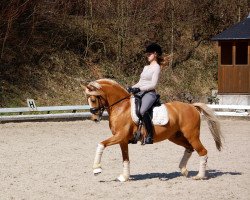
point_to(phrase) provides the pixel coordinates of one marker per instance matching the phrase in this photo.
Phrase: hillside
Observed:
(50, 48)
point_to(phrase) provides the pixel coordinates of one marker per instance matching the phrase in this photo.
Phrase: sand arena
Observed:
(53, 160)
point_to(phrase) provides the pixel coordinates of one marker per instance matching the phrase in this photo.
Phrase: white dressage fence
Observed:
(44, 113)
(231, 110)
(32, 112)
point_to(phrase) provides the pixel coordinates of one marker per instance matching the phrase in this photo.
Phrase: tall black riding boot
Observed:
(147, 122)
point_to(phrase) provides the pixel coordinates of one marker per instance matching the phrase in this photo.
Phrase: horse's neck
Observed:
(115, 94)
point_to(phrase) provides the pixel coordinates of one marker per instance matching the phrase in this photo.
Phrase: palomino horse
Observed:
(183, 127)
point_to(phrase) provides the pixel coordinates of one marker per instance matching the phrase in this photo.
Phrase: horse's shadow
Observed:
(168, 176)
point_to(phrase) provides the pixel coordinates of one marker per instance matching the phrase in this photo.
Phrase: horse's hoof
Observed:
(184, 172)
(122, 178)
(199, 178)
(97, 171)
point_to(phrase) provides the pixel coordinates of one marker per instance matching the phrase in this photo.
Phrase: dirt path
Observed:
(53, 160)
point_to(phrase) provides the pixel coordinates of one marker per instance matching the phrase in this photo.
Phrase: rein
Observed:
(118, 101)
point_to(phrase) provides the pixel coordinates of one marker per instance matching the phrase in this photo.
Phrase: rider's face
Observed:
(151, 57)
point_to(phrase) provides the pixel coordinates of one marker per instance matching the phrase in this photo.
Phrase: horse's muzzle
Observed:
(96, 118)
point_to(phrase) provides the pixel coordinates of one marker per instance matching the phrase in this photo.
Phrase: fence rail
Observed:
(82, 111)
(44, 113)
(45, 109)
(231, 110)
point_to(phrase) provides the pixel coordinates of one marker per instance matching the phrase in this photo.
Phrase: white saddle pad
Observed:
(160, 114)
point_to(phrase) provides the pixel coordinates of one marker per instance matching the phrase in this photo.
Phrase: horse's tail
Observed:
(213, 123)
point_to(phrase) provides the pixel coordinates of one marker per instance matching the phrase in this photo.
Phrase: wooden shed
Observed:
(234, 59)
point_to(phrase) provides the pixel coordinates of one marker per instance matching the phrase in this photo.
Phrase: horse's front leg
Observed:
(115, 139)
(97, 169)
(126, 164)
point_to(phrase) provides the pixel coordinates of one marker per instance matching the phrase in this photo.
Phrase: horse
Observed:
(183, 127)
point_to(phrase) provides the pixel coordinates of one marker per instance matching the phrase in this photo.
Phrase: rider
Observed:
(147, 83)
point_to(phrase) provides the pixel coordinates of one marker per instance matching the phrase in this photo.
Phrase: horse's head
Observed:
(96, 100)
(103, 94)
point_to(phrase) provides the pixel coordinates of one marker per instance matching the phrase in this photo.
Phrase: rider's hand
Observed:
(129, 89)
(134, 90)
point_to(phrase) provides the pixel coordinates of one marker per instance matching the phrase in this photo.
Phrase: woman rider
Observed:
(147, 83)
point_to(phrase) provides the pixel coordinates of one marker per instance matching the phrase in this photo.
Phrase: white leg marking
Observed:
(183, 163)
(126, 172)
(97, 169)
(202, 169)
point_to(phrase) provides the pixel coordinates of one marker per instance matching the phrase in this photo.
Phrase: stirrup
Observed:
(137, 135)
(149, 140)
(136, 138)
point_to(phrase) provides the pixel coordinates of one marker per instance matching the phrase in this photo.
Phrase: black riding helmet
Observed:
(154, 48)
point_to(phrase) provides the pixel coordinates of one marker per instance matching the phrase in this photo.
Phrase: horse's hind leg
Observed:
(183, 163)
(194, 140)
(181, 140)
(203, 159)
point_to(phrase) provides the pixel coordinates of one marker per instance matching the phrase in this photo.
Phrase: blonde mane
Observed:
(109, 82)
(94, 87)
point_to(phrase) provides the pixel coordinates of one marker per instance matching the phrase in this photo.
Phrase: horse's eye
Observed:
(93, 100)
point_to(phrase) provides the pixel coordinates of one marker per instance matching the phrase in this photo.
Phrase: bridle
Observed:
(100, 109)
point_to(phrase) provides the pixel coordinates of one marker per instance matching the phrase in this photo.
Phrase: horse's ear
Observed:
(87, 88)
(83, 87)
(91, 88)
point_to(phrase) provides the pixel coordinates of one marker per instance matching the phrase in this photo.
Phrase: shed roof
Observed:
(239, 31)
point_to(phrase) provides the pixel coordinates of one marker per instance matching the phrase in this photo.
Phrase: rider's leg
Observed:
(147, 101)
